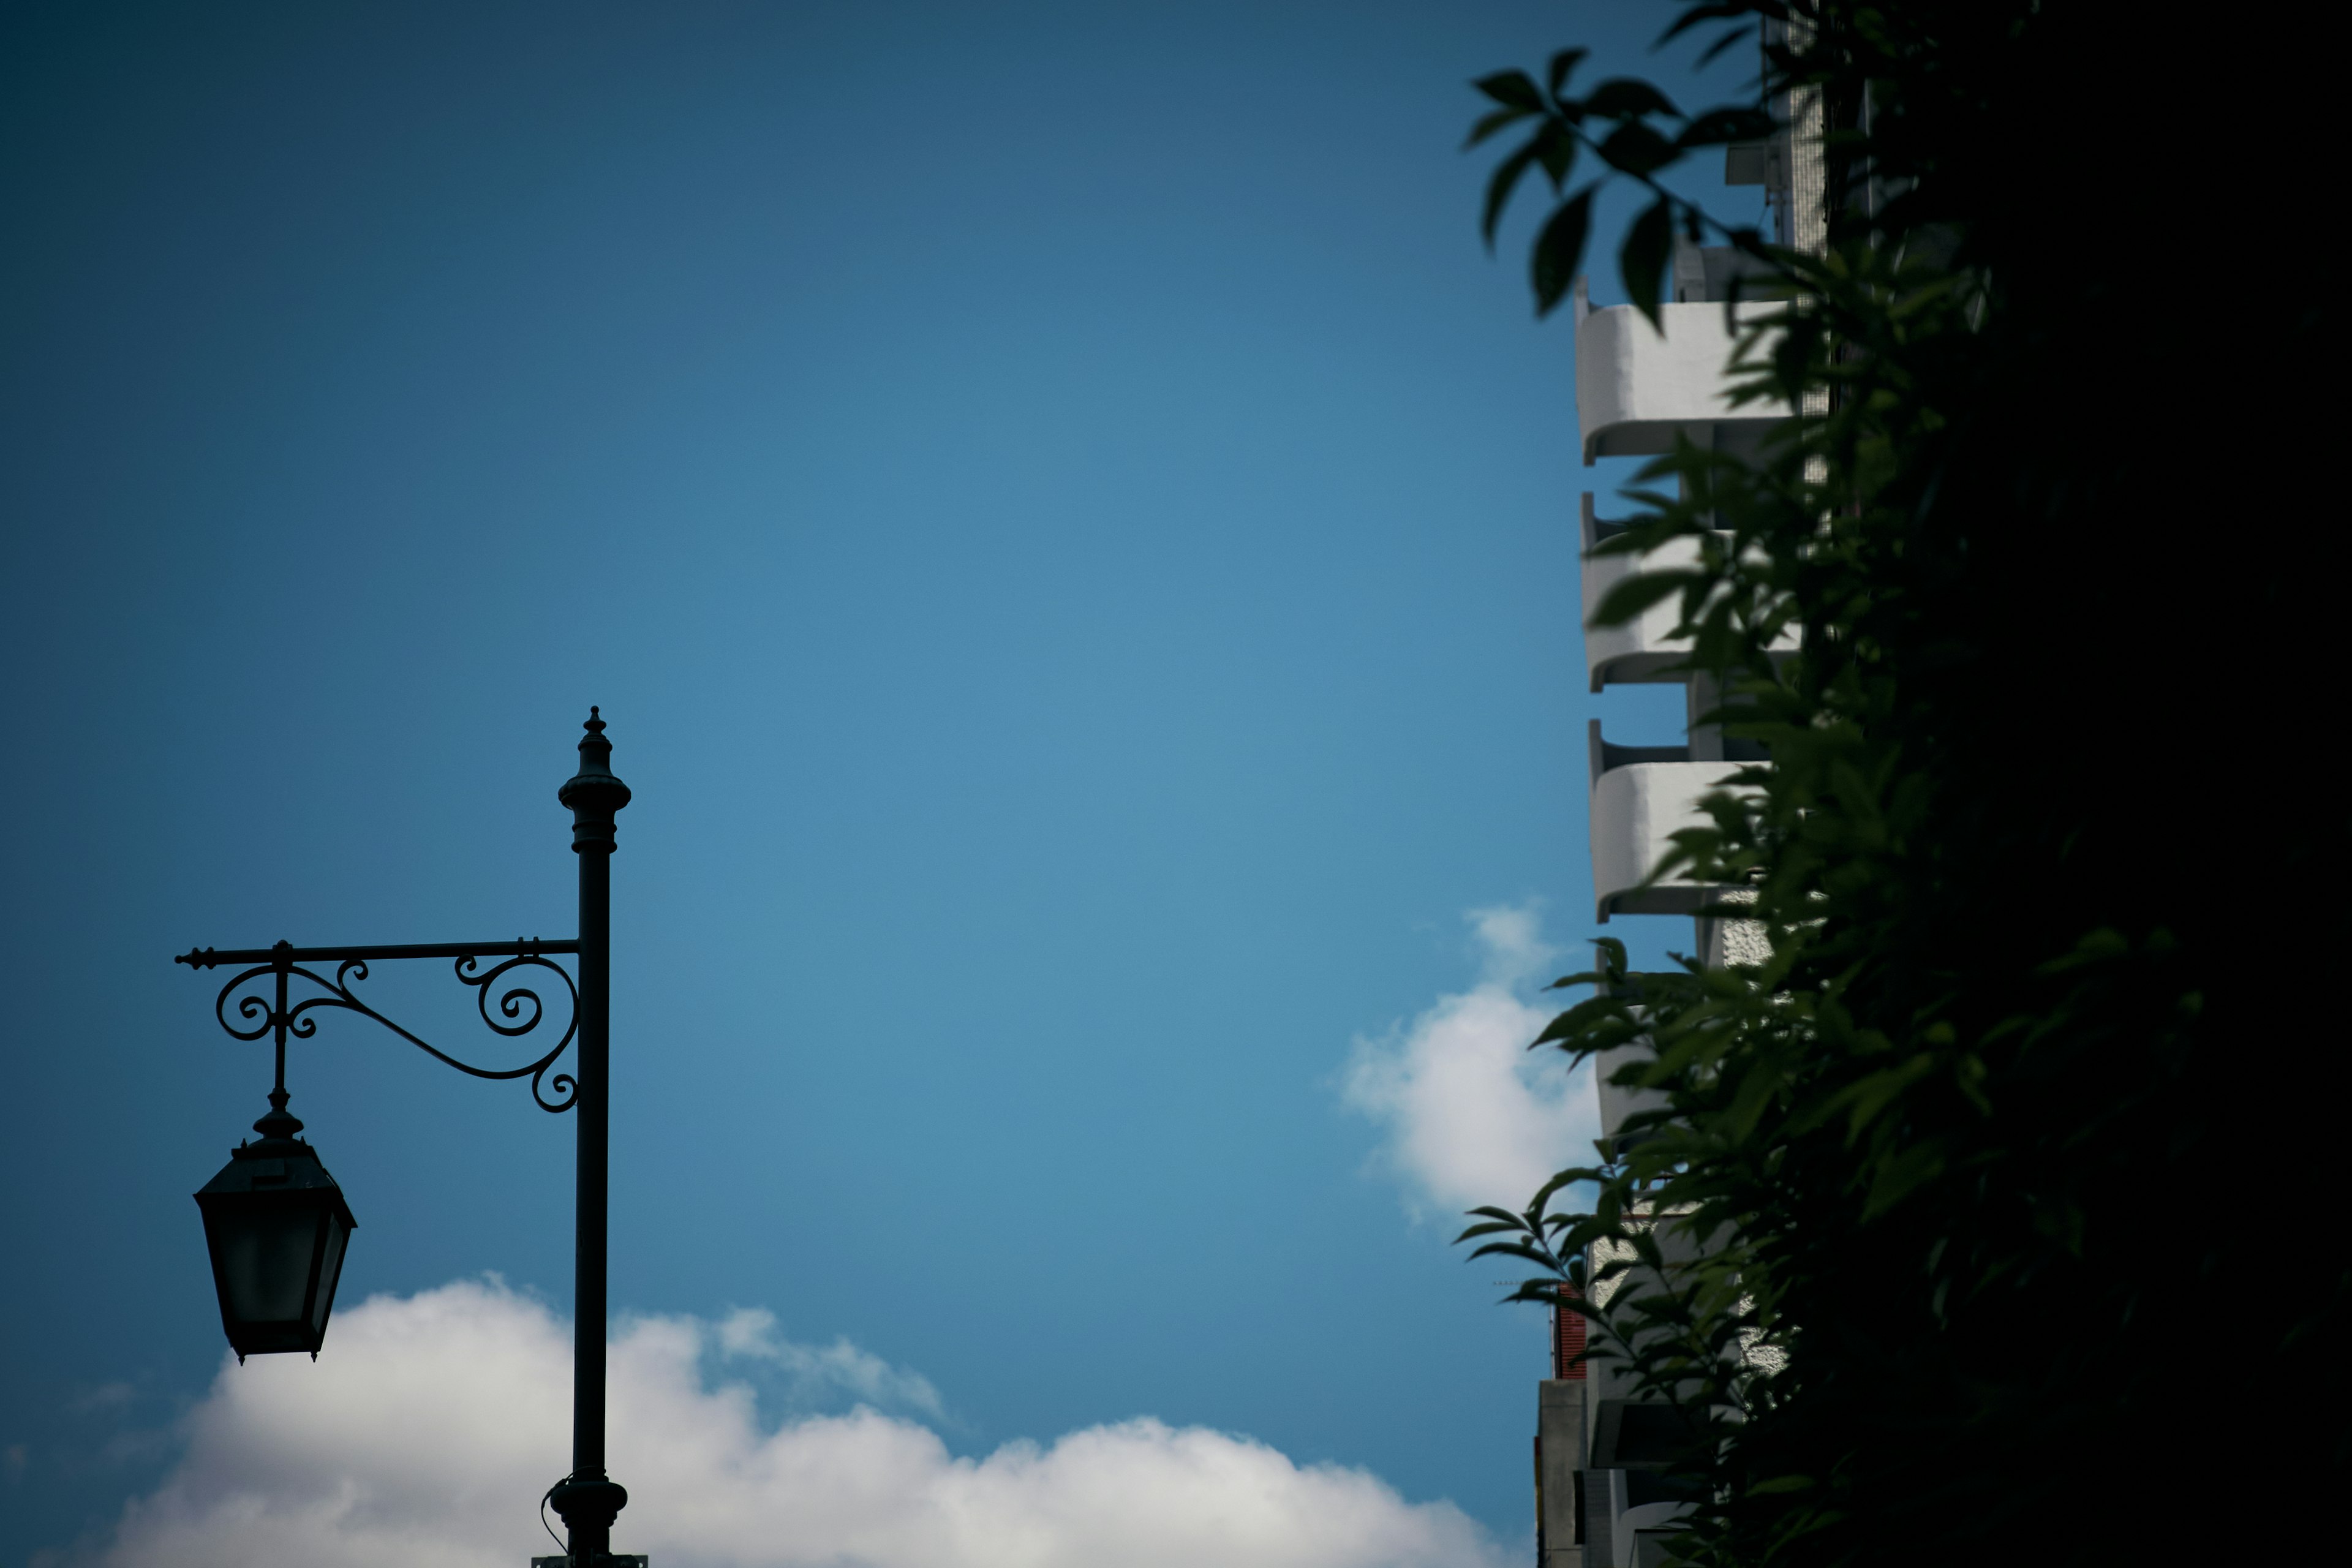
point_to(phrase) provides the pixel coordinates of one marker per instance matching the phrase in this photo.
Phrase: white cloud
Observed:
(433, 1423)
(1472, 1115)
(749, 1333)
(105, 1397)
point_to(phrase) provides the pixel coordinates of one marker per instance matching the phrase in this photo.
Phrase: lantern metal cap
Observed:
(278, 1162)
(279, 1125)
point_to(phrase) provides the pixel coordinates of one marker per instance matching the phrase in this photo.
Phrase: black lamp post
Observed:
(275, 1222)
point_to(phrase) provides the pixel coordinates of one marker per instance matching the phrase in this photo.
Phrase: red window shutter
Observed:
(1567, 1341)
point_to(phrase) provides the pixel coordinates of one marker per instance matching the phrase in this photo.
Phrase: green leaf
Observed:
(1625, 97)
(2096, 947)
(1491, 122)
(1730, 36)
(1636, 594)
(1500, 188)
(1718, 126)
(1578, 1018)
(1512, 89)
(1866, 1100)
(1782, 1484)
(1555, 150)
(1641, 261)
(1544, 1193)
(1559, 250)
(1540, 1291)
(1636, 149)
(1562, 63)
(1902, 1175)
(1515, 1249)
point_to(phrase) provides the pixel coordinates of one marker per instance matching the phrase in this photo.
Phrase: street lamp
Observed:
(275, 1222)
(276, 1225)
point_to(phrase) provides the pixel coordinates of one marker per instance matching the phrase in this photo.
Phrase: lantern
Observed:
(276, 1225)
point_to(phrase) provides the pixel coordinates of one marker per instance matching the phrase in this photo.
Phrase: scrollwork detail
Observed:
(520, 1006)
(246, 1006)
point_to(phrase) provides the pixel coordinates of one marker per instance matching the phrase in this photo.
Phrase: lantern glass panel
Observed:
(262, 1258)
(276, 1225)
(330, 1268)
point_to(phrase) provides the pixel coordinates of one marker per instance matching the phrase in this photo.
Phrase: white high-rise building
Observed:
(1602, 1500)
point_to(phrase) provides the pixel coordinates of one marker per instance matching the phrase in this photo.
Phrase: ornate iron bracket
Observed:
(518, 1004)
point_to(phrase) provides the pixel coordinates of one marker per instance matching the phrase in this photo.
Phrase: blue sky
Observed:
(1077, 542)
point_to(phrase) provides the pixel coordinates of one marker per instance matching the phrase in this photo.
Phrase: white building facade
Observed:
(1603, 1496)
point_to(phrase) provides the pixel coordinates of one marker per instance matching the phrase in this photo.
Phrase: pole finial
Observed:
(592, 794)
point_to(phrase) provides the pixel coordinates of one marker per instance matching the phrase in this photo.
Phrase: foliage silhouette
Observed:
(2017, 1154)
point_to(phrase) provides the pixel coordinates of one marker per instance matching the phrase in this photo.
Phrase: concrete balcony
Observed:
(1643, 796)
(1641, 650)
(1617, 1101)
(1638, 388)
